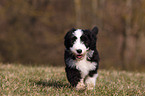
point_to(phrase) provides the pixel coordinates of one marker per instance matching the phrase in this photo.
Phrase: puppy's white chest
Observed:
(85, 66)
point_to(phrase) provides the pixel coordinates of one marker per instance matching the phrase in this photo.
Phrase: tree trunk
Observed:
(98, 13)
(129, 42)
(77, 4)
(95, 10)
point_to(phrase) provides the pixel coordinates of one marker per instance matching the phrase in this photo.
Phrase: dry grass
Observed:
(26, 80)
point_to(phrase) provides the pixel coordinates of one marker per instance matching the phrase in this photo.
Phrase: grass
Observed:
(36, 81)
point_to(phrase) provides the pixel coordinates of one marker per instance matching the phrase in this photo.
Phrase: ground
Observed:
(17, 79)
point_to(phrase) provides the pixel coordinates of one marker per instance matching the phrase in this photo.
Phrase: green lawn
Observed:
(36, 81)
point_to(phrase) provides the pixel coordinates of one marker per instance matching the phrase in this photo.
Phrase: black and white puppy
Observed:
(81, 58)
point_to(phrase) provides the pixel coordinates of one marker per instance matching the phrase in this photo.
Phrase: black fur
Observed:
(69, 39)
(95, 58)
(73, 75)
(89, 39)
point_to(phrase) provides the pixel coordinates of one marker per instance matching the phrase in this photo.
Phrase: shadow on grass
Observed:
(53, 83)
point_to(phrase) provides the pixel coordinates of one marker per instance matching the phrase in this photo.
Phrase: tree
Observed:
(128, 43)
(77, 4)
(95, 10)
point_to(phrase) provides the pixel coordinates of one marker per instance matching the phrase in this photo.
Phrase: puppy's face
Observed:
(79, 41)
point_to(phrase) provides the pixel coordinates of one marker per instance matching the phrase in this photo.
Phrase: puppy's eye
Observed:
(73, 39)
(83, 38)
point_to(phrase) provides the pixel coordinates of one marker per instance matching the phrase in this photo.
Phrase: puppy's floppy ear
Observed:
(95, 30)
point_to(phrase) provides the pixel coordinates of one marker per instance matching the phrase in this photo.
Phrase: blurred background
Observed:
(32, 31)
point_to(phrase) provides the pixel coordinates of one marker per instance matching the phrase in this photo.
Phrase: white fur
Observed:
(81, 85)
(78, 44)
(91, 81)
(85, 66)
(90, 54)
(71, 62)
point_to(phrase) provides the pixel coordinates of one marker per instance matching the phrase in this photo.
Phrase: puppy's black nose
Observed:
(79, 50)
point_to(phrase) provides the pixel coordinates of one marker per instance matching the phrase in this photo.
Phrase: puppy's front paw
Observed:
(90, 86)
(80, 86)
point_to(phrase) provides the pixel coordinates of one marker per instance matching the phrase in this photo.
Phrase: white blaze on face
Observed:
(78, 44)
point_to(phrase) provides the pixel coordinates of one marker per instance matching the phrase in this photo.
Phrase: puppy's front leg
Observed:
(91, 82)
(81, 85)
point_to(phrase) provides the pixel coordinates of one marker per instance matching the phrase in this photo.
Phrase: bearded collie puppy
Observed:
(81, 58)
